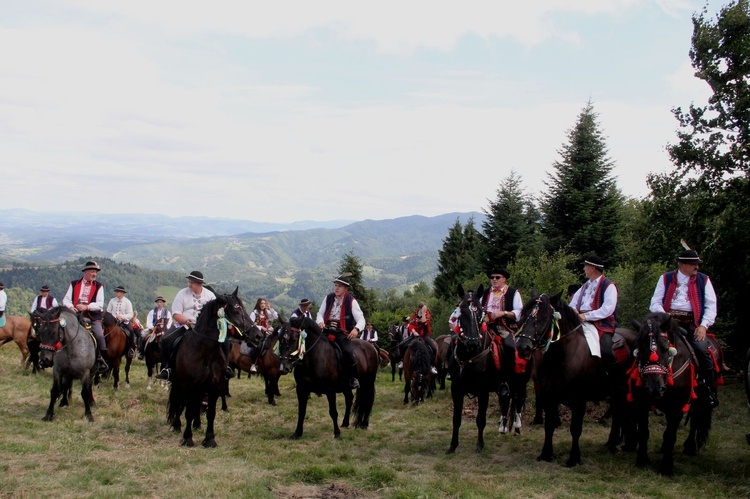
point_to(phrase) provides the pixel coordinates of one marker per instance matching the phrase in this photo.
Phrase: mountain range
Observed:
(281, 261)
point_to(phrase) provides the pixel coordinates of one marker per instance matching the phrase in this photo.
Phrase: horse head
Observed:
(292, 337)
(655, 353)
(536, 325)
(228, 307)
(50, 329)
(470, 329)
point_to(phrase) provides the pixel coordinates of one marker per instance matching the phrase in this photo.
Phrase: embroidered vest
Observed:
(507, 305)
(696, 293)
(48, 302)
(608, 324)
(97, 316)
(346, 318)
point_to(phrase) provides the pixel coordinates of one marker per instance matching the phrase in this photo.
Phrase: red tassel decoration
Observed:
(484, 327)
(58, 345)
(654, 357)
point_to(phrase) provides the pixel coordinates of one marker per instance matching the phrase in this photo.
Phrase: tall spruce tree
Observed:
(351, 264)
(458, 260)
(512, 222)
(583, 209)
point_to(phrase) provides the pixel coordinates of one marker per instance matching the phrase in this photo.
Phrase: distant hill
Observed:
(284, 264)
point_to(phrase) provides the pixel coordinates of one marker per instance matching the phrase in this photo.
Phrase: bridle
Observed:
(542, 337)
(58, 337)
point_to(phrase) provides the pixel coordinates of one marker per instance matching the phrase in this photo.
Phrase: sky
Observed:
(287, 111)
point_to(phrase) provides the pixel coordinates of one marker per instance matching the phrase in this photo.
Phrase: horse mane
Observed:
(206, 320)
(567, 314)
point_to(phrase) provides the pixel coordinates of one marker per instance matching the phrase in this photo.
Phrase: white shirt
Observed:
(189, 304)
(496, 302)
(359, 317)
(43, 304)
(122, 309)
(680, 299)
(589, 290)
(271, 314)
(3, 300)
(151, 320)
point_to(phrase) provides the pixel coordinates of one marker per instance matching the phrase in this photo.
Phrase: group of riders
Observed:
(684, 293)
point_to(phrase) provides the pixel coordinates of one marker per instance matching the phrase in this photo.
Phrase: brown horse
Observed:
(16, 329)
(444, 345)
(568, 374)
(664, 377)
(117, 346)
(267, 363)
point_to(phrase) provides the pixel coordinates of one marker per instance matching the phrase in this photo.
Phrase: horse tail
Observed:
(366, 392)
(175, 405)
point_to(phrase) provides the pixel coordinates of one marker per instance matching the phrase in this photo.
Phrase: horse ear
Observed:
(555, 300)
(235, 291)
(460, 290)
(480, 291)
(636, 324)
(534, 293)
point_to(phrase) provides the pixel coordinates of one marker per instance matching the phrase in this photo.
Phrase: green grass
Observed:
(129, 450)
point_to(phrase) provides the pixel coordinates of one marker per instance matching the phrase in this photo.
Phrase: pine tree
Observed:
(583, 209)
(351, 264)
(458, 260)
(512, 222)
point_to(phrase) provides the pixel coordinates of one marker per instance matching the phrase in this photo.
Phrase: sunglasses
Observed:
(496, 277)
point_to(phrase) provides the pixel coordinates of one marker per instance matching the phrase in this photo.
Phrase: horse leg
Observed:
(192, 412)
(549, 430)
(504, 402)
(642, 432)
(334, 413)
(209, 441)
(53, 395)
(116, 373)
(407, 389)
(66, 384)
(458, 409)
(302, 397)
(269, 390)
(128, 362)
(483, 401)
(576, 428)
(348, 400)
(87, 396)
(674, 416)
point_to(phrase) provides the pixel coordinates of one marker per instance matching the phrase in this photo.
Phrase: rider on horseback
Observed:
(85, 297)
(185, 309)
(340, 315)
(596, 302)
(158, 314)
(689, 297)
(502, 307)
(122, 309)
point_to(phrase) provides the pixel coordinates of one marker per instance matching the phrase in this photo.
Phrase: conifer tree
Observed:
(583, 209)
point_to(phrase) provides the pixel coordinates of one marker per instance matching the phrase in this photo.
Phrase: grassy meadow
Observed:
(129, 450)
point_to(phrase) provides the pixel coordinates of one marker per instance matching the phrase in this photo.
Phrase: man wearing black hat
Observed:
(159, 314)
(44, 300)
(502, 307)
(689, 297)
(122, 310)
(341, 315)
(596, 302)
(85, 297)
(303, 310)
(185, 309)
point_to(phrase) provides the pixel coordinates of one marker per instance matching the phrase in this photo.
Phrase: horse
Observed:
(472, 364)
(16, 329)
(152, 352)
(316, 362)
(567, 373)
(267, 362)
(418, 362)
(73, 347)
(116, 340)
(443, 343)
(664, 377)
(199, 366)
(747, 386)
(394, 353)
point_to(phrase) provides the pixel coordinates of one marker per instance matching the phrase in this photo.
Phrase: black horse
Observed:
(747, 386)
(665, 378)
(567, 373)
(418, 362)
(472, 365)
(152, 351)
(200, 365)
(316, 361)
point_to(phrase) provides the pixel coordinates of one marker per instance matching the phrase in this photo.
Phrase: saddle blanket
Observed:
(592, 338)
(245, 349)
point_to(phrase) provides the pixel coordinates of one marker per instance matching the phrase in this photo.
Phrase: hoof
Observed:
(295, 436)
(450, 450)
(90, 417)
(572, 463)
(48, 417)
(544, 457)
(185, 442)
(272, 402)
(209, 444)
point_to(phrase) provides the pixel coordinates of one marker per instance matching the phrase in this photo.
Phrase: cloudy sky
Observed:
(319, 110)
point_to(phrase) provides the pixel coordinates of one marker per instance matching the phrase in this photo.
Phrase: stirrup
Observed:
(433, 370)
(164, 374)
(400, 365)
(354, 383)
(228, 372)
(101, 365)
(254, 368)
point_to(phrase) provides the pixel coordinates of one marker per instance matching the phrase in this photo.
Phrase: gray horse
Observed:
(63, 338)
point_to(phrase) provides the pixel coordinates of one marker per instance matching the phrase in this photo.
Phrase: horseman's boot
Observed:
(101, 365)
(709, 387)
